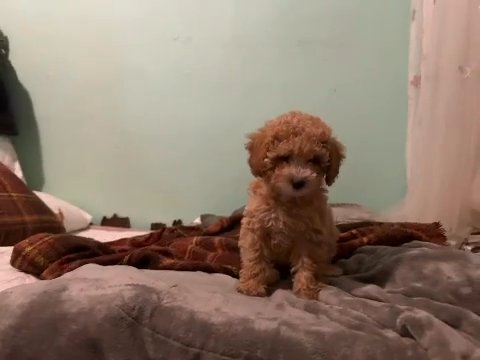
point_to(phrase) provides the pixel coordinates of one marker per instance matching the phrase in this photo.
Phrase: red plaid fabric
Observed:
(213, 249)
(22, 213)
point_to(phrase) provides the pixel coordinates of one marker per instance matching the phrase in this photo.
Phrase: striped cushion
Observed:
(22, 213)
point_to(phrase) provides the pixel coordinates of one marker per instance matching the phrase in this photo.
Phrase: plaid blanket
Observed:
(211, 249)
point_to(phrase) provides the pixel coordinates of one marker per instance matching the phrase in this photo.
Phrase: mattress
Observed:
(10, 277)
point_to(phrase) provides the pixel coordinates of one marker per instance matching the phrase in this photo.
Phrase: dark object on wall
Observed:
(116, 221)
(7, 122)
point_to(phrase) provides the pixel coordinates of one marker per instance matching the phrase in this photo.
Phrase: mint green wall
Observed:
(142, 106)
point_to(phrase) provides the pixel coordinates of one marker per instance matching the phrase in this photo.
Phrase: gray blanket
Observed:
(414, 302)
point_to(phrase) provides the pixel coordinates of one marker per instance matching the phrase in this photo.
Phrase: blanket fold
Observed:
(211, 249)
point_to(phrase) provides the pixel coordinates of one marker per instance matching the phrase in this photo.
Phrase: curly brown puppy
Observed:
(287, 220)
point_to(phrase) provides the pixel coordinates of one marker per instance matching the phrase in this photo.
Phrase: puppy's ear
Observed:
(257, 153)
(336, 156)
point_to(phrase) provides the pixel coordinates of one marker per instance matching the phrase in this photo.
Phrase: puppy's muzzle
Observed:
(298, 184)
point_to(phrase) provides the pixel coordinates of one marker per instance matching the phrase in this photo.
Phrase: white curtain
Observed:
(443, 139)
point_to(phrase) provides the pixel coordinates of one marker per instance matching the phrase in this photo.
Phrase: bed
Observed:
(10, 277)
(415, 301)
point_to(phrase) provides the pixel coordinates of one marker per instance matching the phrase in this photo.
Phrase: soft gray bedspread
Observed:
(414, 302)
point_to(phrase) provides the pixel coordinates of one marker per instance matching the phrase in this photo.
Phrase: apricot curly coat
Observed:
(287, 220)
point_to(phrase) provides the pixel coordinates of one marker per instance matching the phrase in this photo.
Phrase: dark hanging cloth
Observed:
(7, 120)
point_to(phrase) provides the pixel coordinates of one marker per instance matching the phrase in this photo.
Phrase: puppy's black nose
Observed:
(298, 184)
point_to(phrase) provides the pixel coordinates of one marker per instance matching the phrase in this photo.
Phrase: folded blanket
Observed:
(211, 249)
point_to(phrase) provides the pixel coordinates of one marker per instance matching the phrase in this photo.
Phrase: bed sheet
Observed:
(10, 277)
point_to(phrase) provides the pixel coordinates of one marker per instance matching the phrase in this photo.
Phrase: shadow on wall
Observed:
(30, 153)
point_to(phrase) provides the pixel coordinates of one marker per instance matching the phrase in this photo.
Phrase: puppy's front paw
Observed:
(251, 288)
(307, 294)
(308, 291)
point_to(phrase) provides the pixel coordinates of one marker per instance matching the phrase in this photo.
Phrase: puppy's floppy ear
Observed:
(336, 156)
(257, 153)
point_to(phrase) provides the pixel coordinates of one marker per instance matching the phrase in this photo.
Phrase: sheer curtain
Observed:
(443, 139)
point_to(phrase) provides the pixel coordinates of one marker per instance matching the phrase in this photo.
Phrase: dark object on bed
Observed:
(177, 222)
(22, 213)
(211, 249)
(116, 221)
(157, 226)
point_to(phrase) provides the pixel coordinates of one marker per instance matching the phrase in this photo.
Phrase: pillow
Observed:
(22, 213)
(342, 213)
(73, 218)
(8, 157)
(348, 213)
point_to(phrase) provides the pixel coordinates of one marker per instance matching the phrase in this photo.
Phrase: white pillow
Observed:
(73, 218)
(342, 213)
(8, 157)
(348, 213)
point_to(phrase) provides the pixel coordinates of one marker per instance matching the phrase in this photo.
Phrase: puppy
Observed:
(287, 220)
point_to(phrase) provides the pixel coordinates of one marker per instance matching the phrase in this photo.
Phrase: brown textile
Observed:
(22, 213)
(212, 249)
(356, 235)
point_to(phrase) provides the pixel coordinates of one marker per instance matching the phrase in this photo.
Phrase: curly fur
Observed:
(287, 221)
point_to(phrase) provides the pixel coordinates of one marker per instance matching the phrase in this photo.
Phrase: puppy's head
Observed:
(295, 154)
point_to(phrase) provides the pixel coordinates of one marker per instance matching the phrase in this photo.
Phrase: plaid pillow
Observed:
(22, 213)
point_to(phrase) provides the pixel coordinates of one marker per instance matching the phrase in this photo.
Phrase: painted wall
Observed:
(141, 107)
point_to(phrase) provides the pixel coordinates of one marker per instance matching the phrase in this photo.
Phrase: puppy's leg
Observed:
(332, 271)
(305, 281)
(257, 271)
(327, 253)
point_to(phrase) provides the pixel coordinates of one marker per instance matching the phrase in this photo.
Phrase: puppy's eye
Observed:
(283, 158)
(316, 160)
